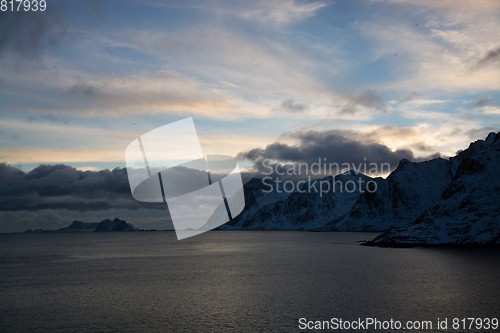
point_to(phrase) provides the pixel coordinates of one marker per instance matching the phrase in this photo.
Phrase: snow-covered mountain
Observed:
(432, 202)
(304, 208)
(468, 211)
(400, 198)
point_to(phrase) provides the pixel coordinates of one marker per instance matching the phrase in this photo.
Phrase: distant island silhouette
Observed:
(104, 225)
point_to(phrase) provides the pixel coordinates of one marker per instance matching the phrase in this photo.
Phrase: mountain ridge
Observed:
(467, 212)
(411, 195)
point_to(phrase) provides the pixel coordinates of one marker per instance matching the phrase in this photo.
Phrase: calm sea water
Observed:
(233, 281)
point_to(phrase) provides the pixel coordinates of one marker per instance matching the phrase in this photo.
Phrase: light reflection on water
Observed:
(233, 281)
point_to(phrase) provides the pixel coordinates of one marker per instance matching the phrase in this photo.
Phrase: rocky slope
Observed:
(468, 211)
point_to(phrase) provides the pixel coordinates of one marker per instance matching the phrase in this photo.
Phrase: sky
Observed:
(286, 80)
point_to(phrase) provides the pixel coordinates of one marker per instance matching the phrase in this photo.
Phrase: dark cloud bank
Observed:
(333, 146)
(61, 186)
(64, 187)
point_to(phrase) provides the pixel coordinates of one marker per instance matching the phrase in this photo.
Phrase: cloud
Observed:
(27, 34)
(480, 133)
(422, 146)
(290, 106)
(83, 89)
(332, 146)
(207, 70)
(411, 96)
(493, 56)
(454, 36)
(9, 136)
(257, 64)
(480, 5)
(61, 186)
(59, 142)
(480, 103)
(277, 12)
(488, 110)
(232, 74)
(69, 142)
(64, 187)
(119, 95)
(48, 117)
(369, 99)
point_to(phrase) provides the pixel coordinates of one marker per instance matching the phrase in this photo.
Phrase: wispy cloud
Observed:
(278, 12)
(289, 105)
(219, 74)
(76, 143)
(480, 103)
(28, 34)
(83, 88)
(369, 99)
(239, 62)
(260, 65)
(410, 97)
(98, 95)
(454, 37)
(491, 57)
